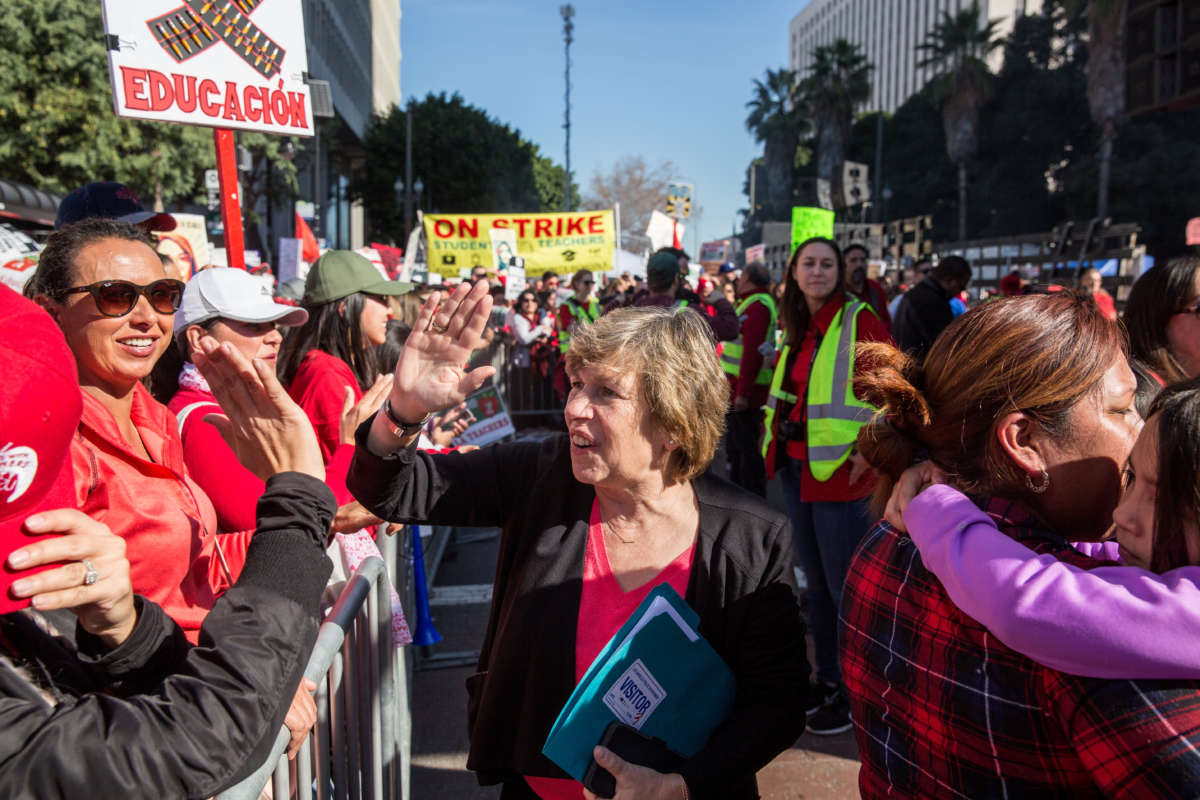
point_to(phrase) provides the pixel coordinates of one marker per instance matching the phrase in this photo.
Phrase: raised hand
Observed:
(431, 372)
(355, 414)
(264, 427)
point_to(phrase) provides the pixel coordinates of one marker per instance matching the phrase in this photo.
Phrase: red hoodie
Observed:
(167, 521)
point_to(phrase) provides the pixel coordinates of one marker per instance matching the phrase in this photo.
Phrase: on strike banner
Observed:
(222, 63)
(563, 242)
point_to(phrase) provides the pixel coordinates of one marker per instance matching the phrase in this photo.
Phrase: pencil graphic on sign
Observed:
(229, 22)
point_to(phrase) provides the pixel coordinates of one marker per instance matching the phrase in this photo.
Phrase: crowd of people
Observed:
(999, 557)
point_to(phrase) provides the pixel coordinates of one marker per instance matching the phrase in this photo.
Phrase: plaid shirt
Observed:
(943, 709)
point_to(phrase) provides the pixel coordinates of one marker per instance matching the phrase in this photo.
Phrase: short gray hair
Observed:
(679, 377)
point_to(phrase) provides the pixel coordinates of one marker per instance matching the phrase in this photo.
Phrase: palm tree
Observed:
(1105, 80)
(838, 81)
(778, 118)
(958, 46)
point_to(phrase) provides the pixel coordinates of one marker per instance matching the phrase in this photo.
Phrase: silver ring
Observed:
(91, 576)
(433, 326)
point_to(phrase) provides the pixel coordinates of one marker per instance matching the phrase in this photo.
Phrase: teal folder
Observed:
(658, 675)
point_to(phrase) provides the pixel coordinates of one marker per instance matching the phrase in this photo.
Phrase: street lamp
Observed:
(402, 203)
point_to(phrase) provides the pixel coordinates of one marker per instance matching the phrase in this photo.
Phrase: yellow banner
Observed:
(563, 242)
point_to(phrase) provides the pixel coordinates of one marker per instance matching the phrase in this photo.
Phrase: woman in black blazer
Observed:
(615, 506)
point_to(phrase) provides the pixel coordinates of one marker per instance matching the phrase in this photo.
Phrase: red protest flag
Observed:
(309, 250)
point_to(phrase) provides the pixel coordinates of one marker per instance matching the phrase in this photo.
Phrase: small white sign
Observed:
(634, 695)
(515, 283)
(212, 180)
(231, 64)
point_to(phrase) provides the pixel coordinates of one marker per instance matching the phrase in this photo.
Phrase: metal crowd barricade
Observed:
(525, 395)
(361, 745)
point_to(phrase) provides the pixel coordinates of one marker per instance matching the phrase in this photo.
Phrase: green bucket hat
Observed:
(340, 273)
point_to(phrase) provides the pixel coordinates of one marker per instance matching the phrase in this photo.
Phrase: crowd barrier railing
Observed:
(361, 745)
(526, 392)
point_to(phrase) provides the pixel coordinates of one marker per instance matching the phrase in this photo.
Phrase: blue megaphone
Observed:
(425, 634)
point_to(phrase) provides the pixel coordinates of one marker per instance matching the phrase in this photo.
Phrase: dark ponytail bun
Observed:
(892, 441)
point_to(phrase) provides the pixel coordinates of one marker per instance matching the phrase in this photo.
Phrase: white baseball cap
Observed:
(232, 294)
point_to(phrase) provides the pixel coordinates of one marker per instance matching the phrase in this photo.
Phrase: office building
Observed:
(355, 46)
(888, 32)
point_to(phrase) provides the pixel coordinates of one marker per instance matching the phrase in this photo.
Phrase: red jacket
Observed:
(235, 490)
(167, 521)
(755, 323)
(320, 389)
(838, 487)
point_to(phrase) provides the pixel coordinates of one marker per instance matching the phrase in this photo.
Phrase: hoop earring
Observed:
(1041, 486)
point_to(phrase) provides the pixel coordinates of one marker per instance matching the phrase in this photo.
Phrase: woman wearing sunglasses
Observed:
(532, 356)
(104, 285)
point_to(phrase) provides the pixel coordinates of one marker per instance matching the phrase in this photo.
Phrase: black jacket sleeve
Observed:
(771, 669)
(481, 489)
(211, 717)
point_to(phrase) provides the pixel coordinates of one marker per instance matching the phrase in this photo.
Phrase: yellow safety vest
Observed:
(579, 316)
(731, 356)
(833, 415)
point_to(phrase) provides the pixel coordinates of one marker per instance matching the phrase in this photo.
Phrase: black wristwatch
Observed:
(398, 427)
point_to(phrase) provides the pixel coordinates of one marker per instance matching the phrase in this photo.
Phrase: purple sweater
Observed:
(1108, 622)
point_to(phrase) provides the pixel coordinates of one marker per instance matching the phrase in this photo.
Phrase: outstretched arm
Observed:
(1109, 622)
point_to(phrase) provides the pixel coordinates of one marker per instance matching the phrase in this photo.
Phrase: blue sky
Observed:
(667, 81)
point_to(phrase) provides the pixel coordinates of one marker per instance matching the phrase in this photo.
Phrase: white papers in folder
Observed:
(659, 606)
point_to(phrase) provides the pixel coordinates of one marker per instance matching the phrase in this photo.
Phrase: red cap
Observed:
(40, 407)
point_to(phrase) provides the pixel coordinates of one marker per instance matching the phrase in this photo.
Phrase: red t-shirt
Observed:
(603, 609)
(320, 389)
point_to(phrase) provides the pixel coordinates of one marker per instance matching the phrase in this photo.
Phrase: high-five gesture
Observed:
(431, 373)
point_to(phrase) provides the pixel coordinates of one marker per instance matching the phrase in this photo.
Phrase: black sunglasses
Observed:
(117, 298)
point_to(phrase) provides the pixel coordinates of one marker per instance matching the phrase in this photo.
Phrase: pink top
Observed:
(1110, 622)
(603, 609)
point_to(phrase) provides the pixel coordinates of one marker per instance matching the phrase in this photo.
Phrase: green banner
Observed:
(809, 222)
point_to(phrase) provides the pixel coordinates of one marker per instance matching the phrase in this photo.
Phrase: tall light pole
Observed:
(408, 178)
(568, 13)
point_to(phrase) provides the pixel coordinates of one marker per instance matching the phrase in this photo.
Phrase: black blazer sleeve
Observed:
(211, 719)
(763, 642)
(480, 489)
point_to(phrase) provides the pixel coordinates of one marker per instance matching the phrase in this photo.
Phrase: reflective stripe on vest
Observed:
(774, 395)
(834, 415)
(731, 356)
(579, 316)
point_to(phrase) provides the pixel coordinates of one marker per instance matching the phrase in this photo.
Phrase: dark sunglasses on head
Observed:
(117, 298)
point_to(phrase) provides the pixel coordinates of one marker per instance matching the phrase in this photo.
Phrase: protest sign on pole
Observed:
(563, 242)
(662, 230)
(808, 222)
(238, 64)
